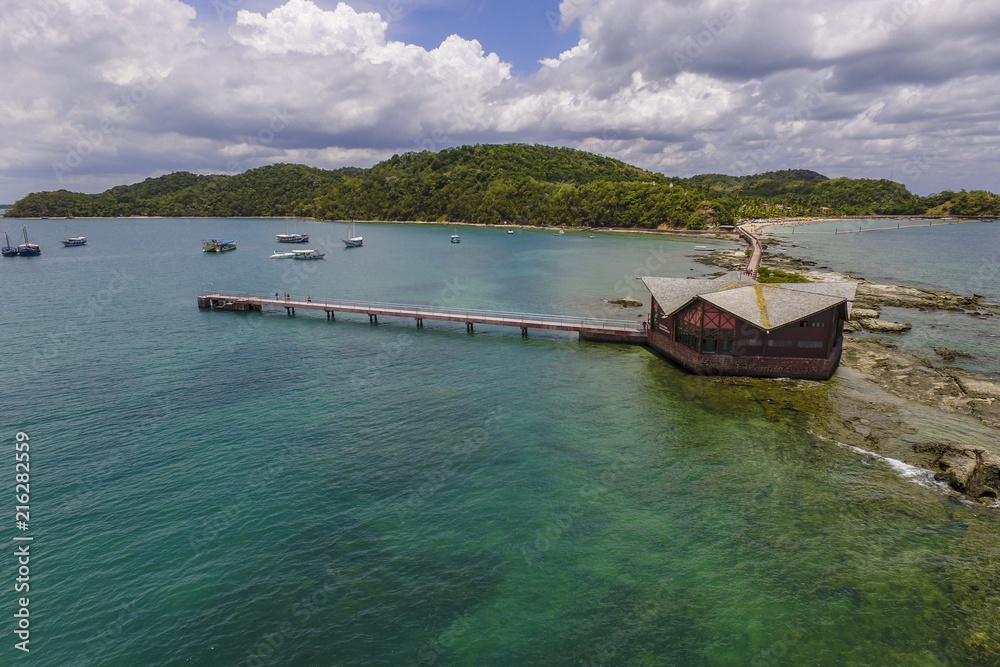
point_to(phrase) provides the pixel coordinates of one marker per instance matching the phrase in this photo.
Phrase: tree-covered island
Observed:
(531, 185)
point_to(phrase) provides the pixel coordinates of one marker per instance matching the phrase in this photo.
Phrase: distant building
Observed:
(733, 325)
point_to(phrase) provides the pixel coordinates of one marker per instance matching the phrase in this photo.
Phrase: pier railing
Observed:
(419, 312)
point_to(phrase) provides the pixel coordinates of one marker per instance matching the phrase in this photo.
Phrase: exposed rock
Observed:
(914, 379)
(626, 302)
(950, 355)
(899, 296)
(973, 471)
(979, 388)
(881, 326)
(852, 327)
(864, 314)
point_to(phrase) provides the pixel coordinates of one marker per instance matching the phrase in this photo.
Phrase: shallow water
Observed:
(220, 488)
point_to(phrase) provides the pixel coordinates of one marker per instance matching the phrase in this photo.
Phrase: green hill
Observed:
(496, 183)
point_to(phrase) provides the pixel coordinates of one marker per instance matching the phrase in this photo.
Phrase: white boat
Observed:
(705, 248)
(353, 240)
(282, 255)
(307, 254)
(292, 238)
(455, 238)
(217, 245)
(28, 249)
(510, 231)
(74, 241)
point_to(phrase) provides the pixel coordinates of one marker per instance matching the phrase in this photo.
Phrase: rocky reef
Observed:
(972, 471)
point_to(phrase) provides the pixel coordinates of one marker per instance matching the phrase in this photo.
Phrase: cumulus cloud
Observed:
(100, 92)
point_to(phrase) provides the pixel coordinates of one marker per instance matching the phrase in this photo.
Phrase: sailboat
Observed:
(9, 250)
(27, 249)
(353, 240)
(455, 238)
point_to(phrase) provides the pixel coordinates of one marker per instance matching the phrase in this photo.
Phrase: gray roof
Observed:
(674, 293)
(766, 305)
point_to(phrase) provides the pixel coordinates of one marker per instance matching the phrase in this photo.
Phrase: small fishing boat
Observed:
(217, 245)
(455, 238)
(705, 248)
(307, 254)
(282, 255)
(510, 231)
(74, 241)
(353, 240)
(9, 250)
(292, 238)
(28, 249)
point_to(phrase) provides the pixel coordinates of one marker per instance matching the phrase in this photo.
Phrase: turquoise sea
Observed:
(213, 488)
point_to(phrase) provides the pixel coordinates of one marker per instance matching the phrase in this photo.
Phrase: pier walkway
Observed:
(589, 329)
(756, 254)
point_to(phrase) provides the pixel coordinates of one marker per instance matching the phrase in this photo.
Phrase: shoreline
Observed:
(881, 394)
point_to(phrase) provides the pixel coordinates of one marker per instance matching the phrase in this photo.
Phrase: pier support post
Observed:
(468, 327)
(420, 323)
(524, 332)
(372, 318)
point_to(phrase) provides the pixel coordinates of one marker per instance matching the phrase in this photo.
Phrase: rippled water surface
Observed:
(219, 488)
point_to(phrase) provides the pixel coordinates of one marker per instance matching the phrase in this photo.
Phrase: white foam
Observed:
(920, 476)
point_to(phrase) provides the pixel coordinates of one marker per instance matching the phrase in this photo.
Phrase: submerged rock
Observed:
(950, 355)
(626, 302)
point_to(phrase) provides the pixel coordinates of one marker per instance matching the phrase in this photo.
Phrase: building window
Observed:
(779, 343)
(751, 342)
(815, 344)
(817, 325)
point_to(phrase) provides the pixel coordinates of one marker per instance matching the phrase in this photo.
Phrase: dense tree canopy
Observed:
(497, 183)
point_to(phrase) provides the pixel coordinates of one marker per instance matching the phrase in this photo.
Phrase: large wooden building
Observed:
(733, 325)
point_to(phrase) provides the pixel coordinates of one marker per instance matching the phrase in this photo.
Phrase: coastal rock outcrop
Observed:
(972, 471)
(864, 314)
(881, 326)
(626, 302)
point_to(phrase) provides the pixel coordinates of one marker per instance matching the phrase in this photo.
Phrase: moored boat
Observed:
(282, 255)
(9, 250)
(705, 248)
(27, 249)
(353, 240)
(74, 241)
(307, 254)
(217, 245)
(455, 238)
(292, 238)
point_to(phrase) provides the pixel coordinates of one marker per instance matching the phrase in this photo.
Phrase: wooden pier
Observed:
(589, 329)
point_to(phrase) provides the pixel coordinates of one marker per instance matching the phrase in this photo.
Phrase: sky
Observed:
(98, 93)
